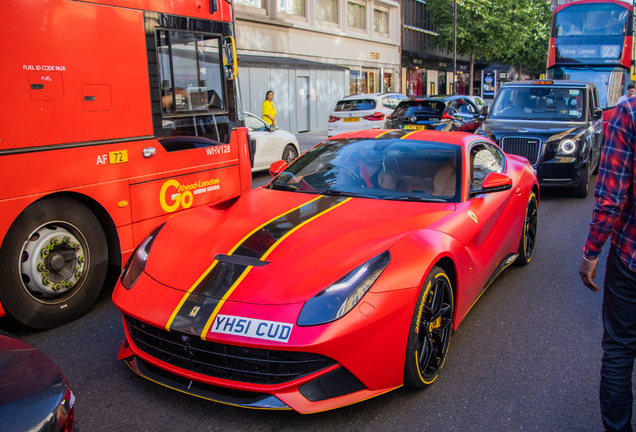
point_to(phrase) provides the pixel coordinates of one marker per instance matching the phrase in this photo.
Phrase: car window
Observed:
(390, 102)
(484, 159)
(355, 105)
(255, 124)
(470, 107)
(420, 108)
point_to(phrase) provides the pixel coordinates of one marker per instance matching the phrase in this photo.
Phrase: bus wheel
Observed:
(54, 260)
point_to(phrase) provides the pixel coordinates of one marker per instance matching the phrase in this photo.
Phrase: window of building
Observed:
(380, 20)
(356, 15)
(327, 10)
(252, 3)
(292, 7)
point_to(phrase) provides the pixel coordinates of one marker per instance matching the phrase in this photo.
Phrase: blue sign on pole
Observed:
(488, 85)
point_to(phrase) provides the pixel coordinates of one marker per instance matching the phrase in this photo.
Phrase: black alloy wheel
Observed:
(529, 233)
(430, 331)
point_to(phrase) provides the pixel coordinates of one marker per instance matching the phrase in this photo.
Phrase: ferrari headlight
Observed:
(137, 261)
(339, 298)
(567, 146)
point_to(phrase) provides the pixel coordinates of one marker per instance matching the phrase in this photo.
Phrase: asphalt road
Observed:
(527, 357)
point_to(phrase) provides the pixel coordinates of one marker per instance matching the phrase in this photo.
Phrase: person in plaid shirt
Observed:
(614, 214)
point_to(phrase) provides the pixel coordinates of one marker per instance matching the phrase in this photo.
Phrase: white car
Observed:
(272, 144)
(363, 111)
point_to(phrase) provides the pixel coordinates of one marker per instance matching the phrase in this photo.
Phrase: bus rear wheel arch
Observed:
(53, 263)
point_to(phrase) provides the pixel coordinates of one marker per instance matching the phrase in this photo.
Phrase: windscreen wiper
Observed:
(414, 198)
(335, 192)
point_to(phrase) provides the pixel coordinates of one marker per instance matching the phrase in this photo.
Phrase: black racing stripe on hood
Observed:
(219, 281)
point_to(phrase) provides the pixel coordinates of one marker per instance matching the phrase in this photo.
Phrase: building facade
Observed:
(311, 53)
(428, 71)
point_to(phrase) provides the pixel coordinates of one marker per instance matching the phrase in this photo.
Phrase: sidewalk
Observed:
(306, 140)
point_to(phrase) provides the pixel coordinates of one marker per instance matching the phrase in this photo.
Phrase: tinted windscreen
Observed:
(609, 81)
(595, 19)
(355, 105)
(540, 103)
(385, 168)
(420, 108)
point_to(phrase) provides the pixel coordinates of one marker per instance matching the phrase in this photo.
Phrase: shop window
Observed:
(356, 15)
(327, 10)
(381, 20)
(292, 7)
(387, 84)
(354, 82)
(441, 83)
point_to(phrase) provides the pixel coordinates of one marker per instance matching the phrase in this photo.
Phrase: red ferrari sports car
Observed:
(342, 279)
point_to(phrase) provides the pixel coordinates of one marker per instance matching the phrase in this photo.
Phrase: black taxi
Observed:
(556, 124)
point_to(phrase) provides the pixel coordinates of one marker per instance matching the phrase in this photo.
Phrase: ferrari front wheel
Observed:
(430, 331)
(529, 233)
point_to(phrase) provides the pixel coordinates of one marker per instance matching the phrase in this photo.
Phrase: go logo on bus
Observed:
(184, 198)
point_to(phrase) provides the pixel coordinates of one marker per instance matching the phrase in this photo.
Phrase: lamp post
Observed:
(454, 47)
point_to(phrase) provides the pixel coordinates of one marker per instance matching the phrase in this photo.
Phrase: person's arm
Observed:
(614, 180)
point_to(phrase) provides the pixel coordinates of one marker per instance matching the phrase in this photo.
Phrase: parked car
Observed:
(481, 104)
(446, 113)
(557, 125)
(364, 111)
(34, 395)
(272, 144)
(325, 288)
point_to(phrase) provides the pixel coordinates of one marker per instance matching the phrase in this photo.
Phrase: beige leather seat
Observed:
(444, 181)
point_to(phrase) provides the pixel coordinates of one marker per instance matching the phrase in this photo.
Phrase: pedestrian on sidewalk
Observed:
(269, 109)
(631, 89)
(614, 214)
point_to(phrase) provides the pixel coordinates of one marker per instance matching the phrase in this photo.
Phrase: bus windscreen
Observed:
(593, 19)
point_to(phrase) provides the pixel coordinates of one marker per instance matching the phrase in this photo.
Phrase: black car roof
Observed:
(548, 83)
(442, 98)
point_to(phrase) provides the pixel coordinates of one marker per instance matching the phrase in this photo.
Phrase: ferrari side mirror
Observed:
(494, 182)
(277, 167)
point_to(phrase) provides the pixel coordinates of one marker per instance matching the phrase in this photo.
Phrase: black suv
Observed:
(445, 113)
(556, 125)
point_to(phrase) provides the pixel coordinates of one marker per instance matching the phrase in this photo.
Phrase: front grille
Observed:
(527, 147)
(232, 362)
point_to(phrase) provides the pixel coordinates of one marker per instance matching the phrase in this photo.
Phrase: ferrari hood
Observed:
(275, 247)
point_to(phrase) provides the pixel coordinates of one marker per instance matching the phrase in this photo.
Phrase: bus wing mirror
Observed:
(229, 57)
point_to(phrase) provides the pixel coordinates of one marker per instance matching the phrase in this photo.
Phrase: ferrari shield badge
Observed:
(472, 216)
(194, 311)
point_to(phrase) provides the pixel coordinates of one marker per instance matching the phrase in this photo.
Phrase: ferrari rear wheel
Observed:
(430, 331)
(529, 234)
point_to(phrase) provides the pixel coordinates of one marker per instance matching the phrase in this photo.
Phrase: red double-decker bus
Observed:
(592, 40)
(117, 114)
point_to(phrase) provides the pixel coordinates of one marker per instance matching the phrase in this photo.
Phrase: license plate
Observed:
(414, 127)
(351, 119)
(252, 328)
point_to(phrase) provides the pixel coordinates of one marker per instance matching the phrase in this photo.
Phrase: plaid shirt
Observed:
(614, 209)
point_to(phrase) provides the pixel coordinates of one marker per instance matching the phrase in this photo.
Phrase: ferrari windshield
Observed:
(382, 168)
(540, 103)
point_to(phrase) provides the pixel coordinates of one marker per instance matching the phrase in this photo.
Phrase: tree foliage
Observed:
(512, 31)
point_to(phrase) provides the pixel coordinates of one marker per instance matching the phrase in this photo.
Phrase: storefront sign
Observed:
(375, 56)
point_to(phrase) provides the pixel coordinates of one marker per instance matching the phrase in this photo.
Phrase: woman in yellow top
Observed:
(269, 109)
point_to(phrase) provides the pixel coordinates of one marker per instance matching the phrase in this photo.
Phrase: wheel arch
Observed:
(104, 218)
(448, 265)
